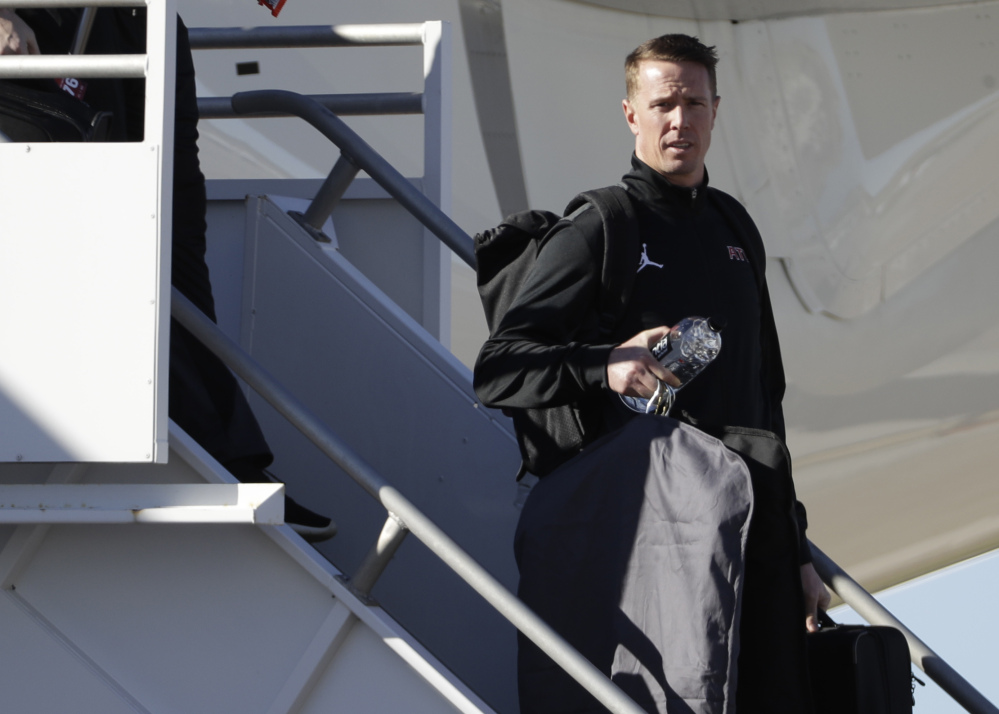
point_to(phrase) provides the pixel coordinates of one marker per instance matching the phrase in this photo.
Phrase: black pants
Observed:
(773, 658)
(773, 661)
(205, 399)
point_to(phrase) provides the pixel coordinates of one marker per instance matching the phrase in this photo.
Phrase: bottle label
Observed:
(661, 348)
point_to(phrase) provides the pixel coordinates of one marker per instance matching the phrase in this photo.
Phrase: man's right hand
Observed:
(16, 38)
(633, 371)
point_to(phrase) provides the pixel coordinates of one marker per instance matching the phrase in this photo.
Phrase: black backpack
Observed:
(505, 256)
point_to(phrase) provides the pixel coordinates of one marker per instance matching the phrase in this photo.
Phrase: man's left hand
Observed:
(817, 597)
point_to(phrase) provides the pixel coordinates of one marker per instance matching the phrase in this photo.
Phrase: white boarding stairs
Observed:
(168, 587)
(135, 574)
(205, 611)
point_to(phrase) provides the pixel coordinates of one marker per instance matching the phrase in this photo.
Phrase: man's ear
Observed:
(629, 116)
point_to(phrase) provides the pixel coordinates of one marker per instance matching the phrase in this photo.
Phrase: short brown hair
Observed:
(671, 48)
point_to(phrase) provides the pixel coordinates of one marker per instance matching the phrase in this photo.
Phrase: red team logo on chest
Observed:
(737, 253)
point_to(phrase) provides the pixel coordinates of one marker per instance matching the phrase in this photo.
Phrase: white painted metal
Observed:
(437, 61)
(83, 367)
(78, 282)
(100, 66)
(169, 618)
(261, 503)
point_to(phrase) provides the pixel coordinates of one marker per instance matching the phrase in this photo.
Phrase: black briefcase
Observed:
(858, 669)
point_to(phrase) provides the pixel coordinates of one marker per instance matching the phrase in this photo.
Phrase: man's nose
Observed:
(678, 117)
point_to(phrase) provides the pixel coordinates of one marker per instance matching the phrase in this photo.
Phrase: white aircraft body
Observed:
(862, 136)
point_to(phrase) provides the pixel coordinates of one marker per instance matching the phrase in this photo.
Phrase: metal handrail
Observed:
(850, 591)
(75, 65)
(83, 66)
(410, 517)
(229, 38)
(363, 156)
(380, 103)
(356, 155)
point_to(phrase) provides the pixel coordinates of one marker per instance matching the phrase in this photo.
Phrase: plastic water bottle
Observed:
(686, 350)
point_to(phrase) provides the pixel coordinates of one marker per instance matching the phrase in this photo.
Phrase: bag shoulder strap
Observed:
(622, 249)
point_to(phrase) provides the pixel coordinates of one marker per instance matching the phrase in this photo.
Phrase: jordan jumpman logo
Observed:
(645, 262)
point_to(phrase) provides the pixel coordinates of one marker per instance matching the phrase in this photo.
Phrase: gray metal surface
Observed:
(341, 176)
(395, 395)
(364, 156)
(922, 656)
(761, 9)
(423, 528)
(393, 533)
(341, 104)
(218, 38)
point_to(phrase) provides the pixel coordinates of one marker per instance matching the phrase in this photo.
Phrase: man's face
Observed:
(671, 115)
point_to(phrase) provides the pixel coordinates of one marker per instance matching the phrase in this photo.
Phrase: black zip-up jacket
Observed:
(700, 249)
(702, 255)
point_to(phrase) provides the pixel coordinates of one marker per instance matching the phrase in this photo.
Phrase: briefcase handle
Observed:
(825, 620)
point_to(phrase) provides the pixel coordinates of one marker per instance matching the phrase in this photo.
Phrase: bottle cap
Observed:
(717, 323)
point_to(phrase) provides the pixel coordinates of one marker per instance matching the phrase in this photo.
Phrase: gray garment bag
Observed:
(634, 551)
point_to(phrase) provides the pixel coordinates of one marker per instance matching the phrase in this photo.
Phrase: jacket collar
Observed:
(650, 185)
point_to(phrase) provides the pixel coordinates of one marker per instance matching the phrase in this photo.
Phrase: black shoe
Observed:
(311, 526)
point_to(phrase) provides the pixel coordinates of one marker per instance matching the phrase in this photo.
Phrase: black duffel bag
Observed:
(41, 110)
(29, 114)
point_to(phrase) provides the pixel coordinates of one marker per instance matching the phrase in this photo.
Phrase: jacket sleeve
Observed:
(772, 363)
(539, 356)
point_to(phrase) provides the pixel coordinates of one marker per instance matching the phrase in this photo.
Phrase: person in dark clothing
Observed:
(696, 245)
(205, 399)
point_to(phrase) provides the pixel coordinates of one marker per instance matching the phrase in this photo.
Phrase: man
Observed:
(548, 350)
(205, 399)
